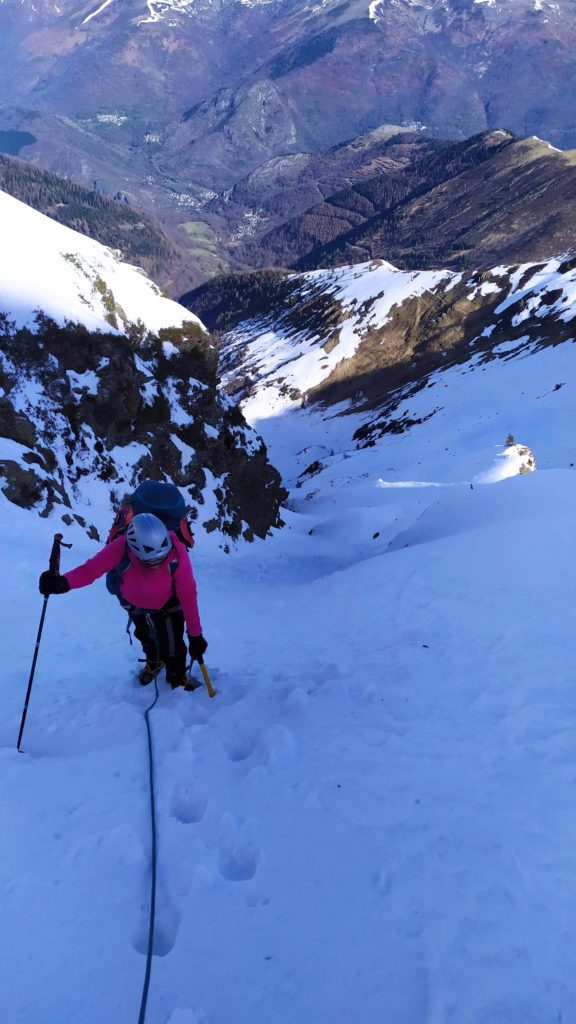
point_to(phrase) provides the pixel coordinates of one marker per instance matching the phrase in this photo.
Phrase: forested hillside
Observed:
(489, 199)
(109, 221)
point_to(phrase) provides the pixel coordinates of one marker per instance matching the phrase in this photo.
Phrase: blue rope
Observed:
(142, 1016)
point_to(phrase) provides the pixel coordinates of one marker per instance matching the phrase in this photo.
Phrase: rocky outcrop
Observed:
(84, 416)
(514, 460)
(527, 459)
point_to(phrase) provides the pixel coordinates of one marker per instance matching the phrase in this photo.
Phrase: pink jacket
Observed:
(145, 587)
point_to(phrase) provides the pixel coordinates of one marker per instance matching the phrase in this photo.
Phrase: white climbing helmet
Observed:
(148, 538)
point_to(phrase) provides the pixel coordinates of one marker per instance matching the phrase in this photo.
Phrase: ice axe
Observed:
(54, 568)
(211, 691)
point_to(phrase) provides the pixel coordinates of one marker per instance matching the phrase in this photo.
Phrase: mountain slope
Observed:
(113, 223)
(46, 266)
(105, 381)
(198, 96)
(286, 186)
(396, 752)
(490, 199)
(365, 340)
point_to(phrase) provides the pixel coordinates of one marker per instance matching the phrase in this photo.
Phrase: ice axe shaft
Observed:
(53, 567)
(204, 671)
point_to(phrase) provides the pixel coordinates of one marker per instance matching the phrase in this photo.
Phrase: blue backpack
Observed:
(161, 499)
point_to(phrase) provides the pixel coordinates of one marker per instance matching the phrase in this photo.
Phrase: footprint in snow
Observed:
(274, 748)
(257, 900)
(187, 1017)
(188, 804)
(295, 699)
(239, 855)
(166, 929)
(278, 746)
(240, 746)
(230, 691)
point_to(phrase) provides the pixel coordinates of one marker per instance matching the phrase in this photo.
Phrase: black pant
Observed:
(161, 634)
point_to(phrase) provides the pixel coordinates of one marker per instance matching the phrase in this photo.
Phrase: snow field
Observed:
(372, 821)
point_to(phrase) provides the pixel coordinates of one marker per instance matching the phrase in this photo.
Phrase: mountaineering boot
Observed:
(177, 679)
(150, 671)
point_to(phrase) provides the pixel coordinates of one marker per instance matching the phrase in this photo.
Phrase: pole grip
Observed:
(54, 563)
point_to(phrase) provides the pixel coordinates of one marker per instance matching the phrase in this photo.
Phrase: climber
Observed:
(156, 585)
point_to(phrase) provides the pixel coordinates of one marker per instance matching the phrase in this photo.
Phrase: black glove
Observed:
(197, 645)
(49, 583)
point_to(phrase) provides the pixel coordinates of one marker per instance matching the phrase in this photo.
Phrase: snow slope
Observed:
(286, 361)
(46, 266)
(286, 364)
(372, 822)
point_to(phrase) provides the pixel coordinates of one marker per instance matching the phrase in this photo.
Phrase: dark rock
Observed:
(21, 486)
(76, 433)
(15, 425)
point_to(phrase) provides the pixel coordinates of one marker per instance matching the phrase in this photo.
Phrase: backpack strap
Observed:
(184, 532)
(114, 576)
(122, 520)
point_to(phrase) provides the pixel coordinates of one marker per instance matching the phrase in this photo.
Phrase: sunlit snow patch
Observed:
(515, 459)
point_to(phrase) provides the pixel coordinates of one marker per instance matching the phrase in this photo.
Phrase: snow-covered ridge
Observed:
(446, 420)
(285, 360)
(151, 11)
(378, 8)
(46, 266)
(159, 10)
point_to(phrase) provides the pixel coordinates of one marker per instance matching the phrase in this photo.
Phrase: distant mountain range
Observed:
(173, 103)
(490, 200)
(410, 199)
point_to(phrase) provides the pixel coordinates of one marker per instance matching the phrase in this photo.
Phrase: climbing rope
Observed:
(150, 950)
(154, 842)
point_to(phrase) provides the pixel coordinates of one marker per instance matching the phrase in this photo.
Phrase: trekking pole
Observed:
(54, 568)
(204, 671)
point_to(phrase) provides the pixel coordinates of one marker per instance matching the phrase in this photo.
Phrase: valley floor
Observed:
(372, 823)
